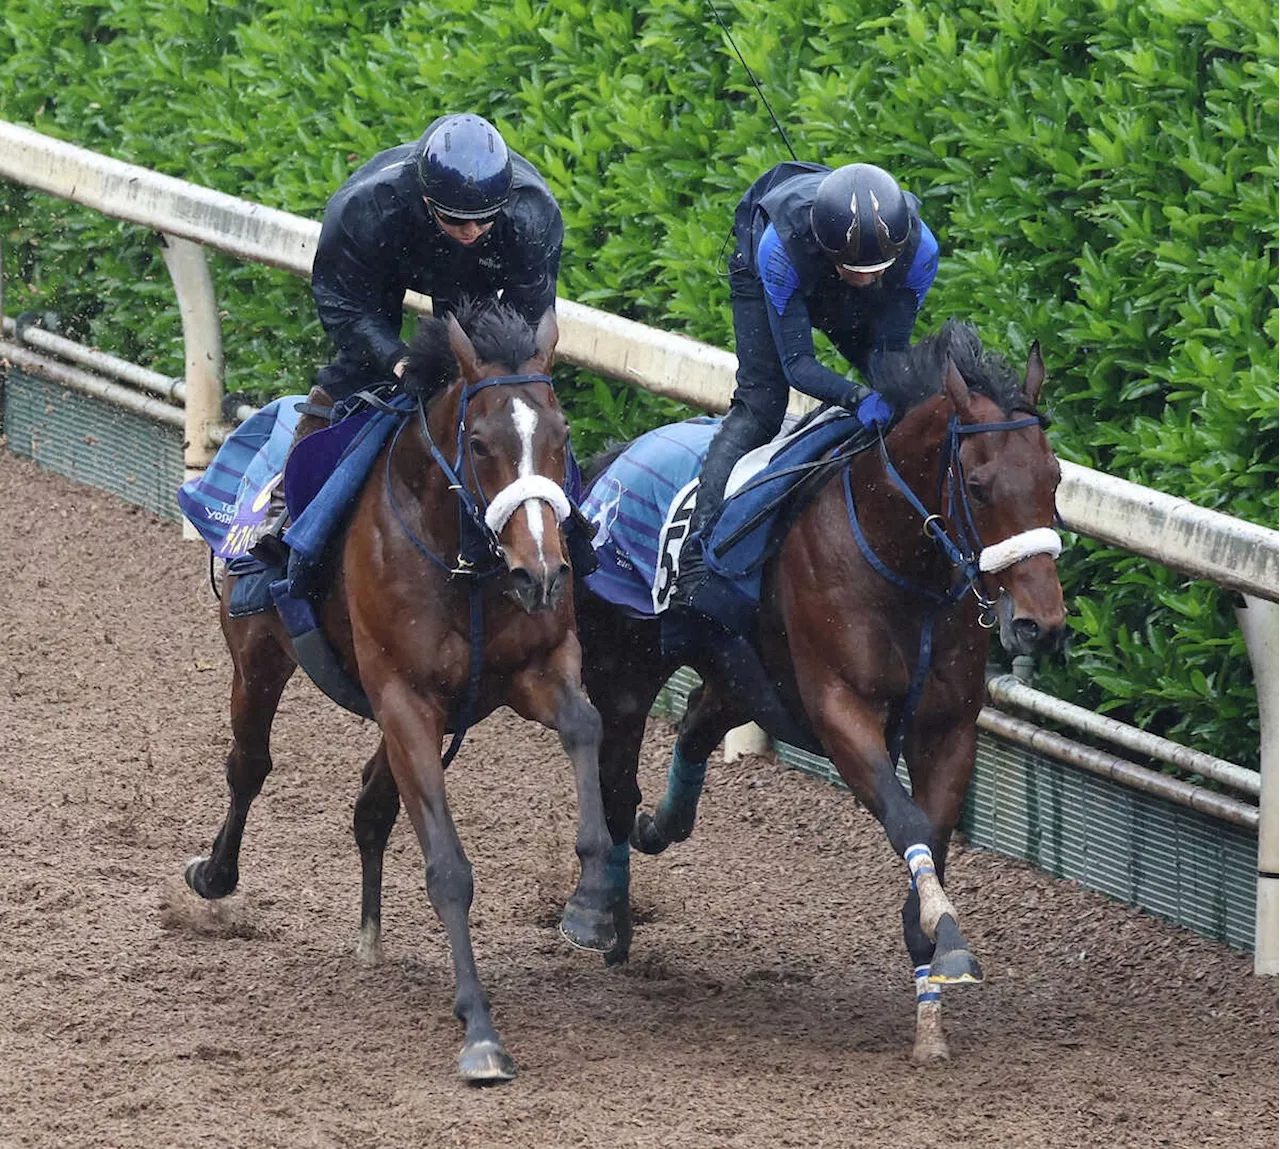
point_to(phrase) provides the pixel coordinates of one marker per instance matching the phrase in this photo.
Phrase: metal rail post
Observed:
(202, 339)
(1260, 624)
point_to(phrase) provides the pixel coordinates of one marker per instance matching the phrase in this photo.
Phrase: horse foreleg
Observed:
(708, 718)
(412, 732)
(939, 953)
(376, 808)
(941, 764)
(261, 667)
(552, 695)
(853, 735)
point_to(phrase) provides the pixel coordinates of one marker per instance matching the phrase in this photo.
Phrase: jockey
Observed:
(844, 251)
(455, 215)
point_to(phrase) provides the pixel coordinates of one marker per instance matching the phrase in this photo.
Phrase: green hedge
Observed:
(1101, 175)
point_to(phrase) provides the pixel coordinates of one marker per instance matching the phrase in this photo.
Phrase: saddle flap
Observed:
(314, 458)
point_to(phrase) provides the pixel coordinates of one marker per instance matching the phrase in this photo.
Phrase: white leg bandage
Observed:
(934, 903)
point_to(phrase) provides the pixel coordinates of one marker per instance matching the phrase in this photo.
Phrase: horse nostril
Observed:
(522, 587)
(556, 585)
(1026, 631)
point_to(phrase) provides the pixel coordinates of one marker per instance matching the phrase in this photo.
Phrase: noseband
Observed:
(966, 551)
(482, 520)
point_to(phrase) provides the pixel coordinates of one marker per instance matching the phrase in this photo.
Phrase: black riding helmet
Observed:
(464, 167)
(861, 218)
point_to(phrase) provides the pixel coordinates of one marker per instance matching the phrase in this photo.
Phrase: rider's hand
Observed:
(872, 409)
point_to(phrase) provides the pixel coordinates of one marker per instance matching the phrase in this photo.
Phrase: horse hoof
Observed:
(485, 1063)
(955, 967)
(621, 952)
(588, 929)
(196, 876)
(369, 946)
(930, 1053)
(646, 837)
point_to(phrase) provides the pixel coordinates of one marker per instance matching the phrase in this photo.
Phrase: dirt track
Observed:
(768, 1002)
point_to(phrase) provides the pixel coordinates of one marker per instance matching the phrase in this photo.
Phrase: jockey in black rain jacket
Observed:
(456, 214)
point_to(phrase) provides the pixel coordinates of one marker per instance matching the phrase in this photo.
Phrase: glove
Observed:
(873, 409)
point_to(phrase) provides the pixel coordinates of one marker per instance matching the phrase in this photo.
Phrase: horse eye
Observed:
(480, 447)
(978, 493)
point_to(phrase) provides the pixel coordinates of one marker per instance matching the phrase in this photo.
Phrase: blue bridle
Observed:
(471, 515)
(962, 551)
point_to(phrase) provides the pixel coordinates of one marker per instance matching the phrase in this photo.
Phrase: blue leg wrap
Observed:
(617, 872)
(678, 808)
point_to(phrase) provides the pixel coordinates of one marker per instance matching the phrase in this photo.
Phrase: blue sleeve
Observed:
(792, 327)
(777, 273)
(925, 265)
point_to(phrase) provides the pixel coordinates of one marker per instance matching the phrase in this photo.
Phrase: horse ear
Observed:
(956, 388)
(545, 339)
(1035, 374)
(463, 351)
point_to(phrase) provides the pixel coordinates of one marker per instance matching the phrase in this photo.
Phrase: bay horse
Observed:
(399, 613)
(873, 628)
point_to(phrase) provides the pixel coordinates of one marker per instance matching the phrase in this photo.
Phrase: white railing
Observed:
(1199, 542)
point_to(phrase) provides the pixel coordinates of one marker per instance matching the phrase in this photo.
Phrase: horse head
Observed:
(502, 424)
(1006, 476)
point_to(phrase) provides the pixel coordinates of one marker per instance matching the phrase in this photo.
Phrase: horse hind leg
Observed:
(623, 723)
(377, 807)
(261, 668)
(623, 670)
(706, 721)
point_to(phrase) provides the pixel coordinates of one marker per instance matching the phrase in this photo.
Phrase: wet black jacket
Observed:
(378, 238)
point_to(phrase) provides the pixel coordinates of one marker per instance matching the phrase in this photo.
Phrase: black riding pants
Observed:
(346, 375)
(759, 401)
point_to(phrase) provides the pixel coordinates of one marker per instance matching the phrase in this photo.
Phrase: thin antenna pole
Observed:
(751, 75)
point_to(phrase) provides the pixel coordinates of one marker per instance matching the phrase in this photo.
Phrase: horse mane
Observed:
(602, 460)
(499, 334)
(907, 378)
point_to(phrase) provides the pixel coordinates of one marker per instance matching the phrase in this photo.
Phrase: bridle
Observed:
(957, 538)
(480, 521)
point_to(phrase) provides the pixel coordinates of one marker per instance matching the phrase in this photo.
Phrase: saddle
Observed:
(641, 503)
(322, 479)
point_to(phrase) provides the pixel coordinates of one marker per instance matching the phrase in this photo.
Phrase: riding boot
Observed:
(739, 433)
(270, 546)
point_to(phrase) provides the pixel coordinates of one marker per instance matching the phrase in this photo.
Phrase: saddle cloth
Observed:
(228, 503)
(641, 503)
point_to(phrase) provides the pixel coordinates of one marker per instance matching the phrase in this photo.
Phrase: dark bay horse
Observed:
(874, 630)
(399, 614)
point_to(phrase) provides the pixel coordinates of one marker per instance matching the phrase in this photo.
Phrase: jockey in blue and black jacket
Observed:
(454, 215)
(843, 251)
